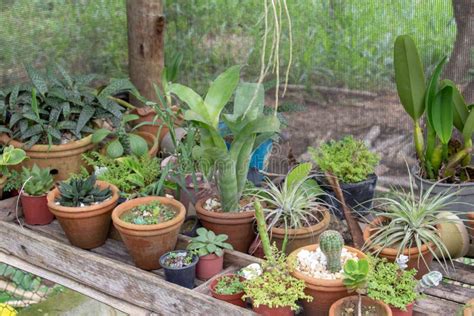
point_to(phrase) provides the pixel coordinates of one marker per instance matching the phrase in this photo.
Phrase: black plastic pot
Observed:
(196, 224)
(181, 276)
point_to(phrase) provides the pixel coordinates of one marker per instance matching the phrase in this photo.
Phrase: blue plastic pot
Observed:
(184, 276)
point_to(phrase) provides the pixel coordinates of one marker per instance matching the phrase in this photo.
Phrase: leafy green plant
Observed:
(207, 242)
(11, 156)
(37, 181)
(229, 285)
(348, 159)
(331, 244)
(149, 214)
(179, 259)
(81, 192)
(445, 109)
(248, 125)
(355, 278)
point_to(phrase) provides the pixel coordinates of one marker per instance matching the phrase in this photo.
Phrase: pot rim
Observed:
(163, 256)
(83, 142)
(222, 215)
(23, 193)
(416, 174)
(214, 281)
(305, 230)
(340, 301)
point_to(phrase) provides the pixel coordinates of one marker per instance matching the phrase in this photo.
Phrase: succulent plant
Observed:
(81, 192)
(207, 242)
(356, 277)
(37, 181)
(331, 243)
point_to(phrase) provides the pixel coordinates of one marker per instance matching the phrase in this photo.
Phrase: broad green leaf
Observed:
(211, 248)
(432, 88)
(86, 114)
(99, 135)
(211, 235)
(129, 117)
(298, 174)
(37, 79)
(249, 100)
(191, 98)
(469, 126)
(115, 149)
(34, 103)
(442, 114)
(460, 109)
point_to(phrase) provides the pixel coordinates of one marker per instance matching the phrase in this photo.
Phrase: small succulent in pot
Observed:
(355, 278)
(36, 181)
(149, 214)
(180, 267)
(82, 192)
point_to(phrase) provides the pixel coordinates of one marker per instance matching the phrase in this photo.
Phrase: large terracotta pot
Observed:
(399, 312)
(324, 292)
(237, 225)
(35, 209)
(381, 309)
(85, 227)
(63, 160)
(235, 299)
(414, 262)
(147, 243)
(301, 237)
(148, 114)
(273, 311)
(208, 266)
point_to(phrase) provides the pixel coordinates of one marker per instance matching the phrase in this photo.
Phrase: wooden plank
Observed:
(451, 292)
(433, 306)
(8, 209)
(204, 287)
(73, 285)
(462, 273)
(116, 279)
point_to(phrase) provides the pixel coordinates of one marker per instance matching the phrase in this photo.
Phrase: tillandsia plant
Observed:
(37, 181)
(331, 244)
(81, 192)
(207, 242)
(349, 159)
(443, 107)
(355, 278)
(248, 125)
(149, 214)
(10, 157)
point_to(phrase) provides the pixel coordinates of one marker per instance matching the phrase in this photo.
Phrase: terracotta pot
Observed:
(148, 114)
(238, 226)
(273, 311)
(414, 261)
(300, 237)
(399, 312)
(147, 243)
(35, 209)
(470, 221)
(337, 308)
(324, 292)
(469, 309)
(235, 299)
(208, 266)
(3, 181)
(85, 227)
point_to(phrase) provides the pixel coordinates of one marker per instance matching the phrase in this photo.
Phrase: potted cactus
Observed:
(180, 267)
(37, 183)
(228, 288)
(10, 157)
(210, 249)
(320, 267)
(83, 208)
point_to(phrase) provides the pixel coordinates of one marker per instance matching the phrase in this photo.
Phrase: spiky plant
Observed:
(81, 192)
(37, 181)
(331, 243)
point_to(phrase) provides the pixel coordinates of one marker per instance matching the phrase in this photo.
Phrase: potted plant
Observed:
(294, 212)
(210, 249)
(54, 115)
(320, 267)
(274, 291)
(354, 165)
(355, 278)
(149, 227)
(37, 183)
(249, 127)
(228, 288)
(83, 208)
(180, 267)
(10, 157)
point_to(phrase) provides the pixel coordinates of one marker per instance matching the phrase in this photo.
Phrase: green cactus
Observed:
(331, 244)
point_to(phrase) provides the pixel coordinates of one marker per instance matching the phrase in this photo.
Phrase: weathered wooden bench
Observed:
(107, 274)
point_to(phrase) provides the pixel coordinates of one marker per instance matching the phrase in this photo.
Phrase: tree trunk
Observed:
(146, 24)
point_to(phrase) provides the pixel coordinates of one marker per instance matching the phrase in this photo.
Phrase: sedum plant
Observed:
(37, 181)
(355, 279)
(443, 107)
(348, 159)
(81, 192)
(247, 123)
(229, 285)
(331, 244)
(207, 242)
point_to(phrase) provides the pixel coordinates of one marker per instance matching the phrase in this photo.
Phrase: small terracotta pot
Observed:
(469, 309)
(85, 227)
(147, 243)
(414, 262)
(324, 292)
(273, 311)
(35, 209)
(208, 266)
(300, 237)
(148, 114)
(470, 217)
(238, 226)
(337, 308)
(3, 181)
(399, 312)
(235, 299)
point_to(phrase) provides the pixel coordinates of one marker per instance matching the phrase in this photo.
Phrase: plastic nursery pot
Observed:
(63, 160)
(273, 311)
(190, 226)
(35, 209)
(381, 309)
(324, 292)
(181, 276)
(147, 243)
(235, 299)
(414, 262)
(85, 227)
(208, 266)
(237, 225)
(399, 312)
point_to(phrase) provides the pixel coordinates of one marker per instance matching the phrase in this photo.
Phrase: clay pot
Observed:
(324, 292)
(148, 114)
(237, 225)
(414, 262)
(300, 237)
(147, 243)
(3, 181)
(399, 312)
(35, 209)
(208, 266)
(469, 309)
(337, 308)
(63, 160)
(235, 299)
(454, 235)
(470, 222)
(85, 227)
(273, 311)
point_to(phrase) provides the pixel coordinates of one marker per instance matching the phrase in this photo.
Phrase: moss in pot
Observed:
(228, 288)
(180, 267)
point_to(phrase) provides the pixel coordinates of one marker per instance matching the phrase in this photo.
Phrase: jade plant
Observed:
(331, 244)
(207, 242)
(355, 278)
(442, 106)
(37, 181)
(248, 125)
(79, 192)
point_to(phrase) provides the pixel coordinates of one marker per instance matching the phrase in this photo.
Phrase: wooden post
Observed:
(146, 24)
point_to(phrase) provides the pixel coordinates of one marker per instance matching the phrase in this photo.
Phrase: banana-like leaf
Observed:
(298, 174)
(12, 156)
(432, 88)
(409, 76)
(460, 109)
(469, 126)
(249, 100)
(442, 114)
(192, 99)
